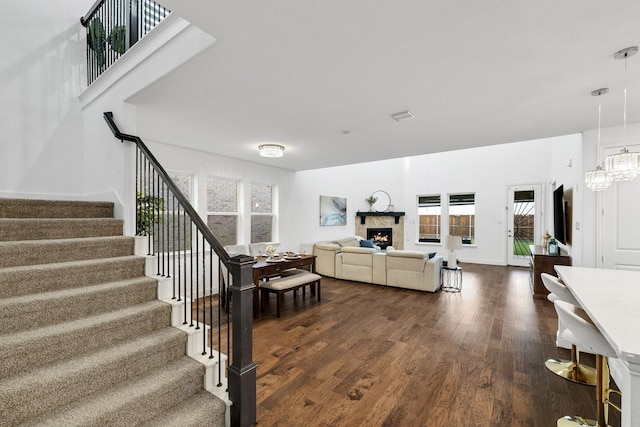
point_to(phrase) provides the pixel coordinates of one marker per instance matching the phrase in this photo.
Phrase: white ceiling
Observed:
(474, 73)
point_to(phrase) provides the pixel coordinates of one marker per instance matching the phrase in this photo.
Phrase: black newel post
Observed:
(242, 371)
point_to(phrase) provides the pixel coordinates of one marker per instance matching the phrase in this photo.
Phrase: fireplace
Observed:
(382, 237)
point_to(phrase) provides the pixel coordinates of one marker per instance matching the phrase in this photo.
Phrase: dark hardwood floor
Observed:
(369, 355)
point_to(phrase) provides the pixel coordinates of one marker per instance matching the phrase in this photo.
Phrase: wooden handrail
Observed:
(199, 223)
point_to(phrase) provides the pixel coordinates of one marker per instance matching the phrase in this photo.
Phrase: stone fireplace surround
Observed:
(393, 220)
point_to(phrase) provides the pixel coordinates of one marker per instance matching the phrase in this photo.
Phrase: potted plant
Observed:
(371, 200)
(148, 210)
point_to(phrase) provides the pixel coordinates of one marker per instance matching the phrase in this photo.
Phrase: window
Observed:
(261, 213)
(184, 183)
(462, 217)
(222, 209)
(430, 217)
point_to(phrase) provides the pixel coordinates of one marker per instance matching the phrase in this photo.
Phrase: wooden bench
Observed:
(291, 282)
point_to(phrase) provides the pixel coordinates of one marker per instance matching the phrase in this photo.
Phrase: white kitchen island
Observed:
(612, 300)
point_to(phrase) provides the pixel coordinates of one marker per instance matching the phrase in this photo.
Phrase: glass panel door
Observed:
(524, 219)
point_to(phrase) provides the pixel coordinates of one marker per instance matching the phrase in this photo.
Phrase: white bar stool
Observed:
(571, 370)
(588, 337)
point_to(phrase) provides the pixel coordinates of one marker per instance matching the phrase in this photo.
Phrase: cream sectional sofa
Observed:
(345, 259)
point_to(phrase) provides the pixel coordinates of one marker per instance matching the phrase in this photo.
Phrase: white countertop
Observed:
(612, 300)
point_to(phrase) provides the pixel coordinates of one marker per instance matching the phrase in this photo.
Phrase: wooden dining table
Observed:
(266, 267)
(611, 298)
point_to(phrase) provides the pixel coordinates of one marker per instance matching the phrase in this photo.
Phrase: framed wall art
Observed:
(333, 210)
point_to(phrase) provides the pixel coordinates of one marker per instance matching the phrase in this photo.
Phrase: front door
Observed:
(524, 219)
(619, 230)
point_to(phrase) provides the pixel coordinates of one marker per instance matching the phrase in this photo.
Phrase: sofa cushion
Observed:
(358, 250)
(367, 244)
(348, 242)
(432, 254)
(327, 246)
(407, 254)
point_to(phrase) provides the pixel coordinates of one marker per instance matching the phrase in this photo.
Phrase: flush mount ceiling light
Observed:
(402, 115)
(271, 150)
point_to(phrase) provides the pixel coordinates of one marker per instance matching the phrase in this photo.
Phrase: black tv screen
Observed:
(559, 216)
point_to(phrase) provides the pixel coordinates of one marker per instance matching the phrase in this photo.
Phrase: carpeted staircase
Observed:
(83, 339)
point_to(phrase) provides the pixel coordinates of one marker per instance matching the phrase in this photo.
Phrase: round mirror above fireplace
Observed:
(383, 202)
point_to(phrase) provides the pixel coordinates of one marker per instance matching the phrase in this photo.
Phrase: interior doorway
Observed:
(524, 222)
(619, 235)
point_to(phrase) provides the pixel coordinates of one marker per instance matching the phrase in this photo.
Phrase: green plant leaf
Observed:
(97, 40)
(118, 39)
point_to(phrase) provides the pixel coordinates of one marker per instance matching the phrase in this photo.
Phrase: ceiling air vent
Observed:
(403, 115)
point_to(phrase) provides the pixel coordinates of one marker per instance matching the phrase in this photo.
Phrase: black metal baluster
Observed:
(178, 281)
(197, 287)
(175, 239)
(157, 235)
(220, 274)
(168, 234)
(204, 348)
(147, 191)
(190, 277)
(229, 308)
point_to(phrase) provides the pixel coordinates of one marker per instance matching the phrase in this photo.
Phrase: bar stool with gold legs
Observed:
(588, 337)
(572, 369)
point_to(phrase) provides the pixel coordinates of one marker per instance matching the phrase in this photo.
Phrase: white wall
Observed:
(485, 171)
(618, 136)
(200, 165)
(108, 164)
(42, 72)
(301, 207)
(566, 169)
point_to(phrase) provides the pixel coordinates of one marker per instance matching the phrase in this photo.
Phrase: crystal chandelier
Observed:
(598, 179)
(271, 150)
(624, 166)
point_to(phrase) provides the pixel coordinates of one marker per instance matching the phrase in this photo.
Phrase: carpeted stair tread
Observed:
(60, 228)
(35, 208)
(136, 401)
(201, 409)
(34, 252)
(34, 349)
(24, 280)
(83, 339)
(47, 308)
(45, 390)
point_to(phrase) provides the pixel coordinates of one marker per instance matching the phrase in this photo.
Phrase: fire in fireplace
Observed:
(382, 237)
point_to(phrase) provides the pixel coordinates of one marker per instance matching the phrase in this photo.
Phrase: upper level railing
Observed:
(189, 254)
(113, 26)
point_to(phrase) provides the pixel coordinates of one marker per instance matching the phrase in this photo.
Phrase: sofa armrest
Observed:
(432, 271)
(326, 258)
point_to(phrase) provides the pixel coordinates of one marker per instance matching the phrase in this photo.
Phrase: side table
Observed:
(451, 279)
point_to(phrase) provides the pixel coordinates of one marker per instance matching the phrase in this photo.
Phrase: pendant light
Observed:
(624, 166)
(598, 179)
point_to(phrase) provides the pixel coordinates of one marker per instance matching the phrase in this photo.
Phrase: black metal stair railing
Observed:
(113, 26)
(188, 253)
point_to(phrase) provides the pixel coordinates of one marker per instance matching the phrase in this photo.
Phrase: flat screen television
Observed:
(559, 215)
